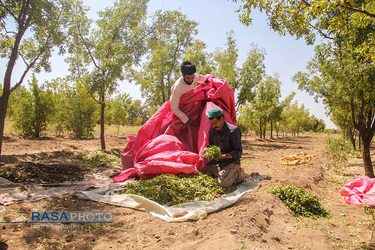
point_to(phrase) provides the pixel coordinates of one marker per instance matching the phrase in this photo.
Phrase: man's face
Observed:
(217, 123)
(188, 79)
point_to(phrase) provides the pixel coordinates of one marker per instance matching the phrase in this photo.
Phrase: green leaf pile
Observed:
(212, 152)
(168, 189)
(98, 159)
(302, 203)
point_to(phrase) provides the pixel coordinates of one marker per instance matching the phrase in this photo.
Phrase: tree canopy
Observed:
(30, 30)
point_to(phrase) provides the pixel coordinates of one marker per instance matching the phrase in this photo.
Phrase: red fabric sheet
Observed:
(359, 192)
(165, 145)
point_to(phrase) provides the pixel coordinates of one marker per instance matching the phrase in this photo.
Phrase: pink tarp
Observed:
(165, 145)
(359, 192)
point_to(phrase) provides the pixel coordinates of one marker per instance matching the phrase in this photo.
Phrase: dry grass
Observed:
(117, 131)
(114, 130)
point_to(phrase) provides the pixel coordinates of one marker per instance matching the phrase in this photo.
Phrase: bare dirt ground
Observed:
(259, 220)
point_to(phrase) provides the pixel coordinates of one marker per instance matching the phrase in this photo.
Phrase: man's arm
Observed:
(175, 101)
(235, 140)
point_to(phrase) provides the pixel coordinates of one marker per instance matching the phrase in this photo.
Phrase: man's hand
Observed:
(190, 122)
(225, 156)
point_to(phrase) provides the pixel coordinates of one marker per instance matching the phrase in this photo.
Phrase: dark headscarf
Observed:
(188, 68)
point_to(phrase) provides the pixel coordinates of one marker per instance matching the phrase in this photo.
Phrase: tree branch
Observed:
(357, 10)
(88, 51)
(322, 33)
(8, 10)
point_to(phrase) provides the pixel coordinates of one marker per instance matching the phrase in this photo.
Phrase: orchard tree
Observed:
(30, 30)
(80, 111)
(101, 54)
(119, 107)
(345, 80)
(266, 102)
(226, 60)
(251, 73)
(138, 113)
(349, 27)
(247, 121)
(316, 125)
(33, 110)
(174, 33)
(204, 61)
(297, 118)
(74, 110)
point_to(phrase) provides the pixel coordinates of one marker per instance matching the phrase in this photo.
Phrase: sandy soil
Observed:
(259, 220)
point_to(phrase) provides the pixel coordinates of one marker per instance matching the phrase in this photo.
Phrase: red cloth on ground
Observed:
(165, 145)
(359, 192)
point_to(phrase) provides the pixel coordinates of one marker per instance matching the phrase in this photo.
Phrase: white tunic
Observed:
(180, 88)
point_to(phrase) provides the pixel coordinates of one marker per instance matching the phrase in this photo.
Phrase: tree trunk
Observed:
(351, 133)
(102, 109)
(3, 111)
(4, 99)
(366, 155)
(264, 130)
(366, 127)
(260, 129)
(271, 129)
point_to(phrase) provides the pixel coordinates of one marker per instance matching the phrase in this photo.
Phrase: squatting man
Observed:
(227, 137)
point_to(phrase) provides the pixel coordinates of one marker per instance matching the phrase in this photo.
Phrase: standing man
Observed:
(184, 84)
(228, 138)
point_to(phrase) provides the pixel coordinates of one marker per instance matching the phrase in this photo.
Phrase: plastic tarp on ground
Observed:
(196, 210)
(165, 145)
(359, 192)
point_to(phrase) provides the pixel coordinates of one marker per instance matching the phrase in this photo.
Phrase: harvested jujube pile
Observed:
(168, 189)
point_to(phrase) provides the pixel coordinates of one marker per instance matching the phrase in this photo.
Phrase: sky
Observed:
(284, 54)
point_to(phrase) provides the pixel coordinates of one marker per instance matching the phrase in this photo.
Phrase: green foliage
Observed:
(342, 70)
(168, 189)
(316, 125)
(103, 52)
(296, 117)
(227, 60)
(300, 202)
(173, 34)
(251, 74)
(138, 114)
(370, 211)
(204, 61)
(32, 110)
(117, 109)
(267, 102)
(330, 131)
(97, 159)
(30, 31)
(338, 151)
(212, 152)
(78, 113)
